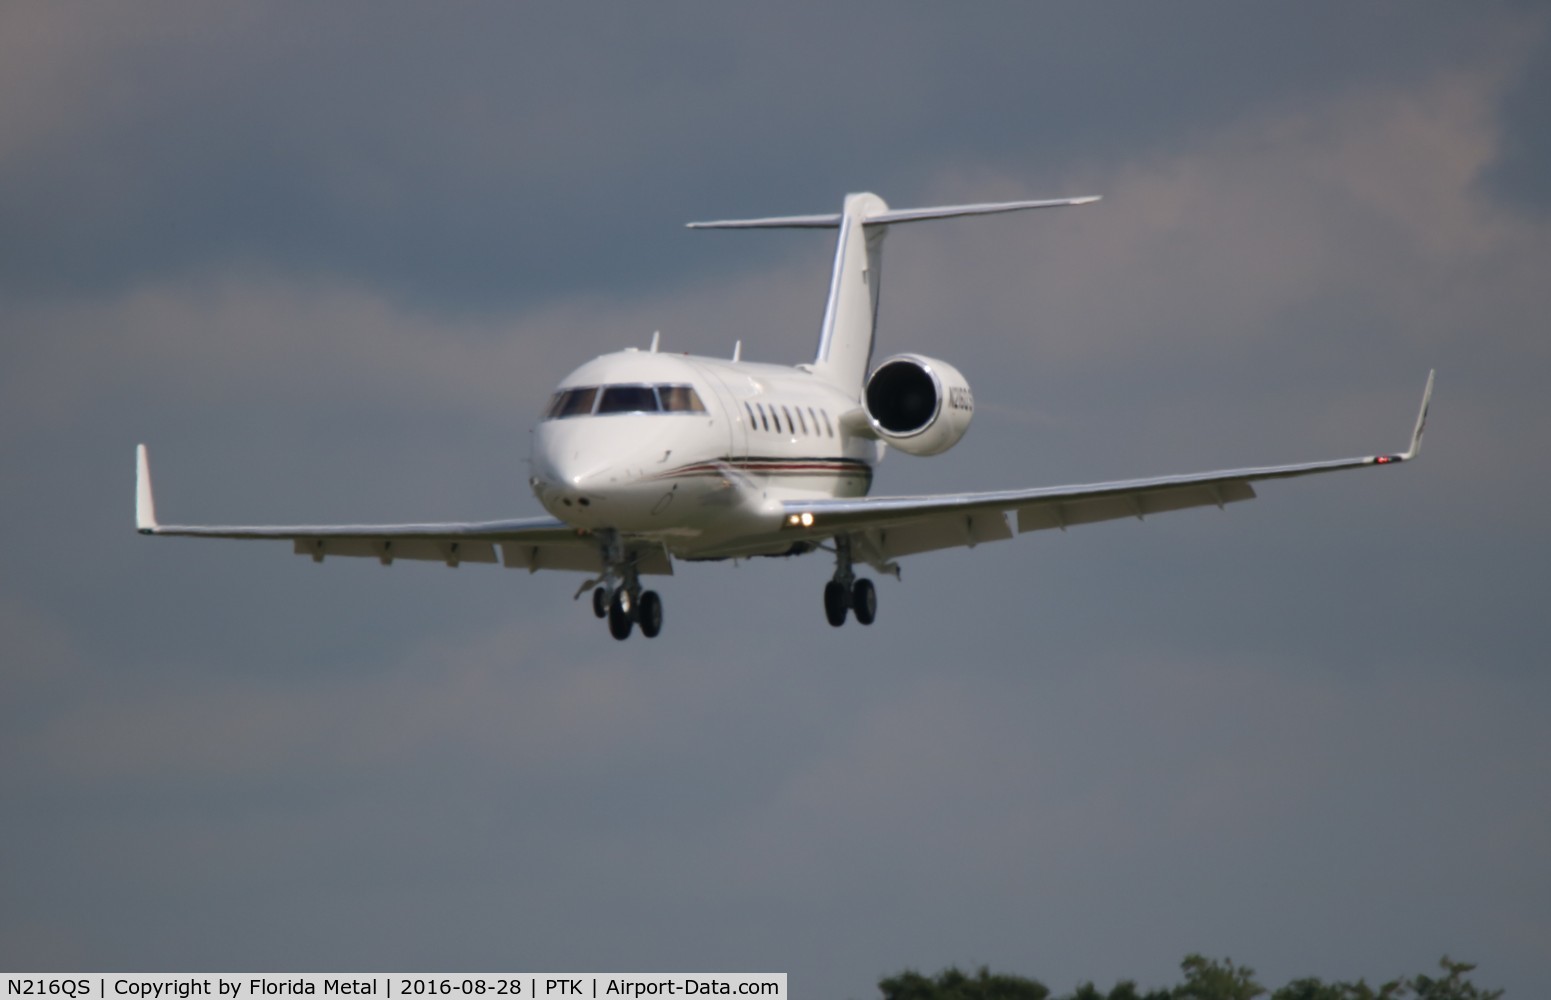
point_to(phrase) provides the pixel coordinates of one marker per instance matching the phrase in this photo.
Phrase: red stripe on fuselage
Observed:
(773, 466)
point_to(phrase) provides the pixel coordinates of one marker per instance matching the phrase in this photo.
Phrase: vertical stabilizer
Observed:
(851, 312)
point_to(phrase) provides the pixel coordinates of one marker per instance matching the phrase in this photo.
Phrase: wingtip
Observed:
(1421, 417)
(145, 503)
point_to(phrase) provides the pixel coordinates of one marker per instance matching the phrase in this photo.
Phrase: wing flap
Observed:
(534, 556)
(650, 560)
(1063, 513)
(942, 531)
(971, 526)
(452, 551)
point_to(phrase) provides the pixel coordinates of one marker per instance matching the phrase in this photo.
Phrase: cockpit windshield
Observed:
(593, 399)
(680, 399)
(628, 399)
(572, 403)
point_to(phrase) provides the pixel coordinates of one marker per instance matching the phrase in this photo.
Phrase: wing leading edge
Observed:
(524, 543)
(889, 527)
(880, 528)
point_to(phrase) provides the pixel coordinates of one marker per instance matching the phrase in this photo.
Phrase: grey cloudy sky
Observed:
(328, 263)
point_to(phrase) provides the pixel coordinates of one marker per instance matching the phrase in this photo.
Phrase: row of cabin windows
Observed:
(596, 399)
(769, 419)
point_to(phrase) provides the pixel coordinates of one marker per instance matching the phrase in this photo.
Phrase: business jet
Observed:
(646, 459)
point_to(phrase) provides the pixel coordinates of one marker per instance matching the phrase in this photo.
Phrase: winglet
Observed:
(145, 504)
(1421, 419)
(1416, 432)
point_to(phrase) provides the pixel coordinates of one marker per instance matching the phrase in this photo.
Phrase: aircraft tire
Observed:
(835, 602)
(620, 622)
(650, 614)
(864, 601)
(600, 602)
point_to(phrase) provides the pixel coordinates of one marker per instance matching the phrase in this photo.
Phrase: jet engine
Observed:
(919, 405)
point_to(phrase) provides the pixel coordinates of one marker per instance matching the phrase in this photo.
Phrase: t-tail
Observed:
(850, 324)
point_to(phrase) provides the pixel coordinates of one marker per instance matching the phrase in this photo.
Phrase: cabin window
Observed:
(628, 399)
(750, 411)
(791, 428)
(828, 427)
(572, 402)
(762, 419)
(803, 422)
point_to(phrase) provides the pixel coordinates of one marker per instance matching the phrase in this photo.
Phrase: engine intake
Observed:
(919, 405)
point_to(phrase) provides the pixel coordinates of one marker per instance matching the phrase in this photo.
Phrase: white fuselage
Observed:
(695, 452)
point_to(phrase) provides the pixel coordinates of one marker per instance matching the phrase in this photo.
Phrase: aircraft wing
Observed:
(524, 543)
(884, 528)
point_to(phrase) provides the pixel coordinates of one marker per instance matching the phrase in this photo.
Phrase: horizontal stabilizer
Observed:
(890, 216)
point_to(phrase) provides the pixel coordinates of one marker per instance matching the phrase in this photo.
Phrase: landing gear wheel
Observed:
(864, 601)
(649, 614)
(835, 602)
(620, 622)
(600, 602)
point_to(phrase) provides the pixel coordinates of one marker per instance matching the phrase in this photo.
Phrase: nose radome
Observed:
(583, 458)
(581, 474)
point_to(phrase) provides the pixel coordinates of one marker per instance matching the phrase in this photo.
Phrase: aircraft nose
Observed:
(570, 478)
(574, 472)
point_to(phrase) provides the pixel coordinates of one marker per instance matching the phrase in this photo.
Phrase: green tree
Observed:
(1314, 989)
(1123, 990)
(1209, 979)
(1205, 979)
(1453, 986)
(952, 984)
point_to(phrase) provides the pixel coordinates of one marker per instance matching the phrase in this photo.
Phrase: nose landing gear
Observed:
(624, 603)
(621, 621)
(649, 614)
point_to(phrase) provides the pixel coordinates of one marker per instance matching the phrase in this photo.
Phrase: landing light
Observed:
(805, 519)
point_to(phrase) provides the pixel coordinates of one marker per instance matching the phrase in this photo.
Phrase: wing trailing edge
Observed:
(898, 526)
(532, 543)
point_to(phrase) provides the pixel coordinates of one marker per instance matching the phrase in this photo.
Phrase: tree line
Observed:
(1204, 979)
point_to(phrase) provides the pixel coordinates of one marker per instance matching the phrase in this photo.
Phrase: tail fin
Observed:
(851, 313)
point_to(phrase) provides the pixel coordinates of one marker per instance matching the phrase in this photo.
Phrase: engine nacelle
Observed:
(919, 405)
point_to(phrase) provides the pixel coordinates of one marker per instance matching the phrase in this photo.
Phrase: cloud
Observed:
(331, 285)
(1373, 197)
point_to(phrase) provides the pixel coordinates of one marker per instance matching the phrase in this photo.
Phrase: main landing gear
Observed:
(625, 604)
(845, 592)
(625, 611)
